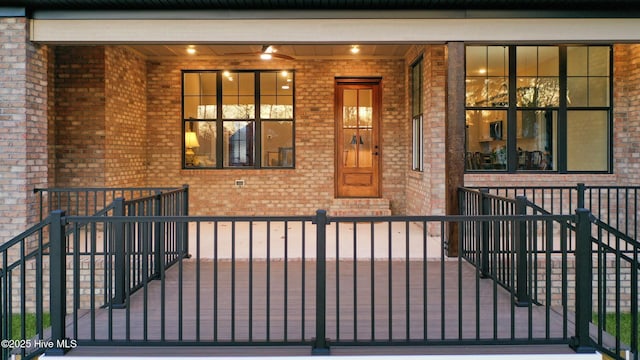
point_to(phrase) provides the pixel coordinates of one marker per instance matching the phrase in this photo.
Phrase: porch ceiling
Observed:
(329, 4)
(302, 51)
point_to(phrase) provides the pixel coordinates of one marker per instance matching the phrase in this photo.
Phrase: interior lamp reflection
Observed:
(190, 142)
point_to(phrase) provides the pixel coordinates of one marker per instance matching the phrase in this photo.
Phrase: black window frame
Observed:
(512, 108)
(257, 121)
(417, 114)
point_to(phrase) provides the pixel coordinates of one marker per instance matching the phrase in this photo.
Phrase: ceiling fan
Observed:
(267, 53)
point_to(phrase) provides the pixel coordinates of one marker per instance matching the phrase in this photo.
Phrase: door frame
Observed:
(376, 82)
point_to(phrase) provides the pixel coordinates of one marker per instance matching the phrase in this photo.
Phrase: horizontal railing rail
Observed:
(87, 201)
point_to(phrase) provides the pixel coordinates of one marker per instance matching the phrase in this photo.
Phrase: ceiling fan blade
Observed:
(242, 53)
(282, 56)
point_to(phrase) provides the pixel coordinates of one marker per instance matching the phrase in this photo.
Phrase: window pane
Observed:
(527, 61)
(476, 60)
(238, 143)
(497, 61)
(238, 96)
(416, 89)
(486, 139)
(599, 60)
(476, 92)
(587, 141)
(277, 144)
(598, 91)
(191, 84)
(276, 95)
(548, 61)
(577, 61)
(200, 144)
(417, 139)
(486, 83)
(577, 91)
(536, 139)
(199, 95)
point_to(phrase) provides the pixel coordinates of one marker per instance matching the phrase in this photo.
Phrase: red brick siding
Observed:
(125, 118)
(80, 116)
(23, 125)
(310, 185)
(426, 190)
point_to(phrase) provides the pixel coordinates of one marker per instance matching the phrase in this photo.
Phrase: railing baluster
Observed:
(581, 342)
(118, 300)
(522, 272)
(58, 280)
(320, 346)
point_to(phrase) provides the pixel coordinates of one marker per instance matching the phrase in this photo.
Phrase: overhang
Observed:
(333, 31)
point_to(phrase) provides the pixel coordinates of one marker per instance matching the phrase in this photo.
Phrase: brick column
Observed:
(23, 126)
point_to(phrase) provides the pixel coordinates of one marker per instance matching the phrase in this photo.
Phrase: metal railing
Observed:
(24, 302)
(97, 249)
(315, 280)
(544, 253)
(89, 201)
(615, 296)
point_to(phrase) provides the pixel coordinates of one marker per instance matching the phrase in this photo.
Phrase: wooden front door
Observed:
(357, 138)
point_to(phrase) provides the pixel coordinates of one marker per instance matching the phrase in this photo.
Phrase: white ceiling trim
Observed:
(333, 31)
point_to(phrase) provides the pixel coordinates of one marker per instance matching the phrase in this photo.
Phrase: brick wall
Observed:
(283, 191)
(80, 116)
(23, 125)
(100, 122)
(426, 190)
(627, 113)
(125, 118)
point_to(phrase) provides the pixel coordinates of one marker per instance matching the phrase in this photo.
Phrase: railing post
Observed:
(185, 225)
(522, 298)
(120, 256)
(485, 209)
(158, 260)
(58, 281)
(581, 190)
(320, 346)
(581, 342)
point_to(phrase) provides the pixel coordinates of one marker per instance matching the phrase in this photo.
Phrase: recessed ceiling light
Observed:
(284, 73)
(355, 49)
(191, 50)
(265, 56)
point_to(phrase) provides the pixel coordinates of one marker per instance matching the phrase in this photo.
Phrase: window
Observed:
(240, 119)
(538, 108)
(416, 116)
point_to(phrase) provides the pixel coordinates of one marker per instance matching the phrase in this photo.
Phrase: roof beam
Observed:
(331, 31)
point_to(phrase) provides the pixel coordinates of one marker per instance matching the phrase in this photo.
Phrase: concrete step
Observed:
(360, 207)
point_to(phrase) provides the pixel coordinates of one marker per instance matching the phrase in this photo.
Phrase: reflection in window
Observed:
(238, 139)
(557, 117)
(536, 139)
(248, 139)
(487, 76)
(200, 143)
(357, 114)
(486, 139)
(277, 142)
